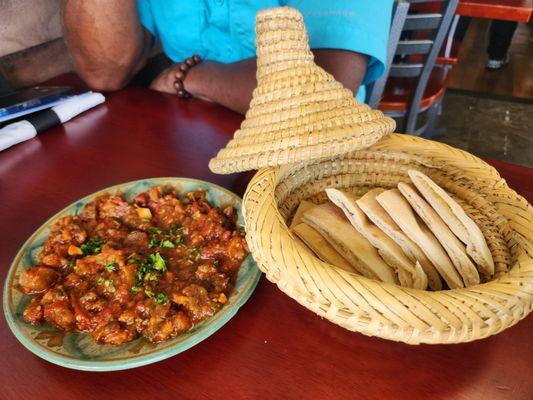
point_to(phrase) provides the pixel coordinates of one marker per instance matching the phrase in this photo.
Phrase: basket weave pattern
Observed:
(298, 112)
(388, 311)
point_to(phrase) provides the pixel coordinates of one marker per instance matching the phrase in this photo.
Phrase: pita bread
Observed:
(379, 216)
(303, 207)
(321, 247)
(455, 217)
(453, 246)
(401, 212)
(393, 255)
(330, 222)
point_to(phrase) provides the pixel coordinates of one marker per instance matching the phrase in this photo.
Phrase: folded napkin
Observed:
(36, 123)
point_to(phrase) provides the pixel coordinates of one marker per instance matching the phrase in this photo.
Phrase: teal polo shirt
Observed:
(223, 30)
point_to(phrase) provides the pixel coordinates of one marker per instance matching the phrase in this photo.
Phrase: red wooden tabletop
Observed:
(273, 348)
(512, 10)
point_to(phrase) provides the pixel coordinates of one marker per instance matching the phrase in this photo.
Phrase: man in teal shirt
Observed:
(110, 42)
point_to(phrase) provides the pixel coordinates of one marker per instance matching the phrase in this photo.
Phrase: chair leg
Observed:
(434, 113)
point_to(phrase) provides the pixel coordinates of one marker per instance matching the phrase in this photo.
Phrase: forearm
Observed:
(347, 67)
(231, 85)
(106, 40)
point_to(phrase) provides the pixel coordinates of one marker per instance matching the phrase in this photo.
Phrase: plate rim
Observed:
(134, 361)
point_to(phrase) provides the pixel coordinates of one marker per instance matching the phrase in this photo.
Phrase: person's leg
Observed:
(501, 34)
(462, 27)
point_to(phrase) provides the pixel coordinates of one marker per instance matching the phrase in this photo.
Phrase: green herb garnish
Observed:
(93, 246)
(157, 262)
(111, 266)
(133, 258)
(100, 280)
(111, 286)
(195, 253)
(179, 241)
(135, 289)
(175, 235)
(168, 239)
(149, 293)
(176, 230)
(167, 244)
(161, 298)
(150, 269)
(155, 231)
(71, 264)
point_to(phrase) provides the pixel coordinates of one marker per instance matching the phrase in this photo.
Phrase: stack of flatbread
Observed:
(414, 235)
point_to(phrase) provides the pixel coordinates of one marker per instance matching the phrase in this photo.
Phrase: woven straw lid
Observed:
(298, 112)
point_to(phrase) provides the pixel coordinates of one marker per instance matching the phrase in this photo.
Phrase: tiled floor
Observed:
(489, 127)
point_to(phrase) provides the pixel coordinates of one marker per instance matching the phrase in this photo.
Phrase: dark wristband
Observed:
(184, 67)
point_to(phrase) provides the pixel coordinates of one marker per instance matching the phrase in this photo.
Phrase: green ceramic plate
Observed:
(78, 350)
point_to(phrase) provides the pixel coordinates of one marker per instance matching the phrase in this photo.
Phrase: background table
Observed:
(510, 10)
(273, 348)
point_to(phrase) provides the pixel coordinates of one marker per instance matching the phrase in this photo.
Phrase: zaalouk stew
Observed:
(154, 267)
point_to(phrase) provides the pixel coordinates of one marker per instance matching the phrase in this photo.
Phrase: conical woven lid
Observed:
(298, 112)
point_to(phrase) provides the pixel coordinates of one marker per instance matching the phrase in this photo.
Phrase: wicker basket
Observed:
(302, 128)
(388, 311)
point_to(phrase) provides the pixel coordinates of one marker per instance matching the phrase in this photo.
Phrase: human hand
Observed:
(171, 79)
(165, 81)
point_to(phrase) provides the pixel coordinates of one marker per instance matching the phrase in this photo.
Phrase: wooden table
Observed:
(273, 348)
(510, 10)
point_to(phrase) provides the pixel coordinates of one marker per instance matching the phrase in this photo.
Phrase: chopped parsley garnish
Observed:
(71, 264)
(111, 286)
(100, 280)
(111, 266)
(176, 230)
(153, 265)
(150, 276)
(161, 298)
(149, 272)
(133, 258)
(195, 253)
(168, 240)
(157, 262)
(167, 244)
(93, 246)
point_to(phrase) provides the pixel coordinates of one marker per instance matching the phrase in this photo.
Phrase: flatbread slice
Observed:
(321, 247)
(408, 274)
(379, 216)
(455, 217)
(453, 246)
(303, 207)
(331, 223)
(401, 212)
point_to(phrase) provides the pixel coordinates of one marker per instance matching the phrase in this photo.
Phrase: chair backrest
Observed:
(422, 35)
(399, 14)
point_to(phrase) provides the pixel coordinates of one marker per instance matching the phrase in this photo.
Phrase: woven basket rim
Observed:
(260, 193)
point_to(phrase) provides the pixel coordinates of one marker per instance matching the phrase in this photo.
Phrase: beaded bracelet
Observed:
(184, 67)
